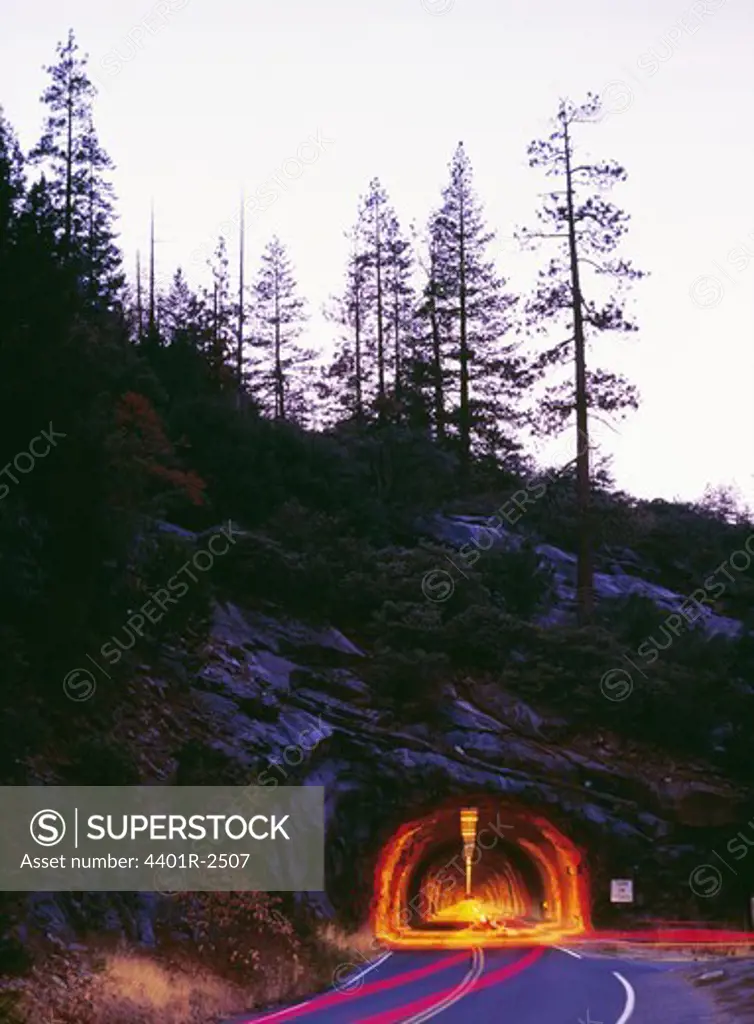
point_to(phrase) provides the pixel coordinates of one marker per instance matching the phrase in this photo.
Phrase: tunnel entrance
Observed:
(480, 871)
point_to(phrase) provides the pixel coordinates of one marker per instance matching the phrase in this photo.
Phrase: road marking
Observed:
(426, 1003)
(346, 986)
(630, 999)
(468, 982)
(570, 952)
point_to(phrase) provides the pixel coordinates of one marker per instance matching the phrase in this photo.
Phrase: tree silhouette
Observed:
(283, 368)
(76, 165)
(470, 316)
(588, 230)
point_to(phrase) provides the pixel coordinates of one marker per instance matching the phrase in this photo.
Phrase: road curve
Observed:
(544, 985)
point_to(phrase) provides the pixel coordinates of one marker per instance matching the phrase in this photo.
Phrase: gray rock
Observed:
(457, 531)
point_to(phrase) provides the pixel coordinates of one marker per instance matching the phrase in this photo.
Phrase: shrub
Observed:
(518, 579)
(240, 934)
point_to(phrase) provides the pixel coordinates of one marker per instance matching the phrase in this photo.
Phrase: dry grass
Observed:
(134, 986)
(360, 945)
(128, 987)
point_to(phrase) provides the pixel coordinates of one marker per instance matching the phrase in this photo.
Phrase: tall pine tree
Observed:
(469, 315)
(369, 373)
(283, 371)
(220, 327)
(345, 385)
(401, 306)
(76, 167)
(586, 230)
(372, 228)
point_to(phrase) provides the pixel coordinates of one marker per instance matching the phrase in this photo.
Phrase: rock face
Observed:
(318, 728)
(282, 703)
(483, 535)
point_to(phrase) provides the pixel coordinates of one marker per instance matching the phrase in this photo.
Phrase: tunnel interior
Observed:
(504, 878)
(479, 871)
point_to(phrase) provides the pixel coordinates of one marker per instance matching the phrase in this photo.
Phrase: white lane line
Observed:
(467, 983)
(346, 985)
(570, 952)
(334, 988)
(630, 999)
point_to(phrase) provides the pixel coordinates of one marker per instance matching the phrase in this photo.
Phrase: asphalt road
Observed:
(520, 986)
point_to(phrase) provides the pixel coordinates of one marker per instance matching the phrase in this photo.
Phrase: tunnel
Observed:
(479, 871)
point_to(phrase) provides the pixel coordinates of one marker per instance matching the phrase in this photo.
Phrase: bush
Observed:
(242, 934)
(408, 678)
(519, 580)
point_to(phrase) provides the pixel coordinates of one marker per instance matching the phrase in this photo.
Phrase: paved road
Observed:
(515, 986)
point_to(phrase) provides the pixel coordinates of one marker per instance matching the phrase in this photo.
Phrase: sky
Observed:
(298, 104)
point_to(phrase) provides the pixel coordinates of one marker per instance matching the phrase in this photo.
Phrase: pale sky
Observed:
(200, 99)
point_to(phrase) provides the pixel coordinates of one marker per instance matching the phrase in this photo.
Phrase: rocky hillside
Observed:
(524, 705)
(371, 630)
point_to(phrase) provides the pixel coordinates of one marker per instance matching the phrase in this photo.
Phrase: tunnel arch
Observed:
(529, 879)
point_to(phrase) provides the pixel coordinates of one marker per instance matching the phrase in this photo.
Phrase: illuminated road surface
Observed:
(521, 986)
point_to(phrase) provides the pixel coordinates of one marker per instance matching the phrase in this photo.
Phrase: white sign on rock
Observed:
(621, 890)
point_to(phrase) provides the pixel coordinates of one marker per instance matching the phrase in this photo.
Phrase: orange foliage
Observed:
(140, 424)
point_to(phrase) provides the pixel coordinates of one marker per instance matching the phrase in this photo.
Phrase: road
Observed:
(544, 985)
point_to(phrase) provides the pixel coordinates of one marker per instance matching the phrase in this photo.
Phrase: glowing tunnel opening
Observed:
(480, 872)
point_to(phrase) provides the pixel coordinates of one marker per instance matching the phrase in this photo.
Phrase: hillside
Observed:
(325, 648)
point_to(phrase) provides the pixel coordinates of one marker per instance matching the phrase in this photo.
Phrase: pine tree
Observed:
(401, 304)
(180, 350)
(283, 370)
(102, 258)
(587, 230)
(372, 226)
(152, 323)
(430, 375)
(241, 305)
(69, 149)
(182, 314)
(139, 305)
(345, 385)
(220, 349)
(375, 313)
(469, 314)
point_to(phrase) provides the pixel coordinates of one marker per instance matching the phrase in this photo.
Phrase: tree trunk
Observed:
(215, 331)
(151, 274)
(92, 282)
(357, 340)
(68, 228)
(436, 353)
(279, 396)
(397, 329)
(464, 412)
(239, 342)
(585, 574)
(380, 331)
